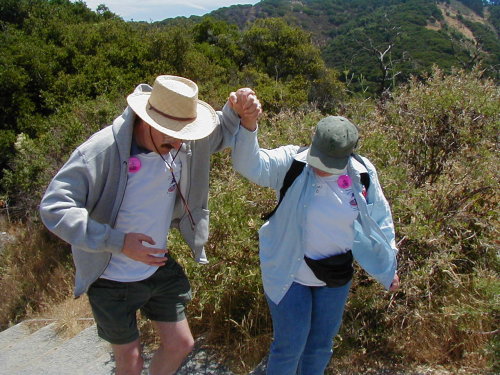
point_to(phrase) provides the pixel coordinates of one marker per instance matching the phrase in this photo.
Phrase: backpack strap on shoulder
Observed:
(365, 177)
(296, 169)
(293, 172)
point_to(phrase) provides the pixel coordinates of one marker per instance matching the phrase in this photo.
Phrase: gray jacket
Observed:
(83, 199)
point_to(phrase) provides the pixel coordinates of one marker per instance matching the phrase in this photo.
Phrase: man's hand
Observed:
(134, 249)
(247, 106)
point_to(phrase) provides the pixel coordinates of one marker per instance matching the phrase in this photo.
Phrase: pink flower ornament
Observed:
(344, 181)
(134, 164)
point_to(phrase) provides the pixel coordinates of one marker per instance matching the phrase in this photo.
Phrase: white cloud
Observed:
(155, 10)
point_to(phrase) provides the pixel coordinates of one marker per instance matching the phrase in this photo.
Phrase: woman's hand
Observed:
(395, 283)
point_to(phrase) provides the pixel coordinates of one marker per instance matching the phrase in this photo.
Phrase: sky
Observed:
(158, 10)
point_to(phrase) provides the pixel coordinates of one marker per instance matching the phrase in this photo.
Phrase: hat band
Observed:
(170, 116)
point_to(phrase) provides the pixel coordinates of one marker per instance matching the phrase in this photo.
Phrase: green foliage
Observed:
(487, 41)
(327, 92)
(494, 17)
(359, 45)
(7, 139)
(281, 51)
(475, 5)
(221, 41)
(38, 159)
(353, 33)
(286, 56)
(437, 120)
(52, 52)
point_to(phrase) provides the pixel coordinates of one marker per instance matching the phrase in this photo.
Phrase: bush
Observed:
(440, 119)
(435, 146)
(38, 159)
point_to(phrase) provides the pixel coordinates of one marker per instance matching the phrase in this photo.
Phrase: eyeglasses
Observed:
(171, 169)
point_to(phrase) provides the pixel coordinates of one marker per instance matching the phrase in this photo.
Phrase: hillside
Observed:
(378, 43)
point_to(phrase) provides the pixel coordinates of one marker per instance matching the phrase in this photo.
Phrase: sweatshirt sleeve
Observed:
(63, 210)
(261, 166)
(228, 125)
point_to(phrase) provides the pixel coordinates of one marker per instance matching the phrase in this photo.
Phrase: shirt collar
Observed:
(135, 149)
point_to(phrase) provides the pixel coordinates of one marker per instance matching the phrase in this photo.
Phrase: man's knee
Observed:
(182, 346)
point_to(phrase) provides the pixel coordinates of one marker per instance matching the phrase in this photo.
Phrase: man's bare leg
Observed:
(176, 343)
(128, 358)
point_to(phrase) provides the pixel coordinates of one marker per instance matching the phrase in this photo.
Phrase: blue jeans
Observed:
(305, 322)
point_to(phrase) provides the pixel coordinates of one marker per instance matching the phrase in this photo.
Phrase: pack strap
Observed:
(296, 169)
(293, 172)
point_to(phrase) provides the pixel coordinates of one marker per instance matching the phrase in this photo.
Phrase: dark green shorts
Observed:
(161, 297)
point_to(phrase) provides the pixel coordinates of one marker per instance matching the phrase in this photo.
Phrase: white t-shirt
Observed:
(147, 208)
(329, 228)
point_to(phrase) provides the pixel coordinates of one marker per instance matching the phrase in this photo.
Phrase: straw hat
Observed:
(173, 108)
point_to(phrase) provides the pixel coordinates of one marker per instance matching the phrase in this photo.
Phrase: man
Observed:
(331, 210)
(118, 194)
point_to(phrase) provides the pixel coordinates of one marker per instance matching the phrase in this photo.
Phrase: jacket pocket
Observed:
(195, 237)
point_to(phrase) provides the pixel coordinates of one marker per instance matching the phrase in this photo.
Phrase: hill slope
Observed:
(378, 43)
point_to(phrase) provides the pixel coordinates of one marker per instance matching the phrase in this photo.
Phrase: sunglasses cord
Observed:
(184, 202)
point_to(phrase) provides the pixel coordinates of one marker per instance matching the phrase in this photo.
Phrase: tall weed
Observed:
(436, 145)
(442, 119)
(36, 272)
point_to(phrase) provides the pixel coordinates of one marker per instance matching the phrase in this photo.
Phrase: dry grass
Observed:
(450, 15)
(35, 273)
(72, 315)
(444, 318)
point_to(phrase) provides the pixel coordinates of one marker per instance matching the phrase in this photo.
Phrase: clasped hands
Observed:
(245, 103)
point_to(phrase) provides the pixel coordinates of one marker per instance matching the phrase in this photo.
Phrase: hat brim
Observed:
(325, 163)
(202, 126)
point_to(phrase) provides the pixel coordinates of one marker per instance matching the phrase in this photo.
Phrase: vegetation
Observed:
(434, 139)
(380, 44)
(57, 54)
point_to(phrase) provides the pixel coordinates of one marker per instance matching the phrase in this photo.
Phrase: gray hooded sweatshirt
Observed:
(82, 201)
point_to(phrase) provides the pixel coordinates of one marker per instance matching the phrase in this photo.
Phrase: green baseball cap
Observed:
(333, 142)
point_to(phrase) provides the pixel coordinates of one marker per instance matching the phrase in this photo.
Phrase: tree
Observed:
(281, 50)
(467, 52)
(104, 11)
(379, 41)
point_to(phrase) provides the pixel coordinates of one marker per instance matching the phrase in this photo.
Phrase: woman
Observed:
(333, 211)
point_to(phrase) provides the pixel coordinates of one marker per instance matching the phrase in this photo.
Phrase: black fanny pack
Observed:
(335, 271)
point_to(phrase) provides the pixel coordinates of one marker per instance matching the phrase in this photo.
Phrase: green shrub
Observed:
(440, 119)
(38, 159)
(435, 144)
